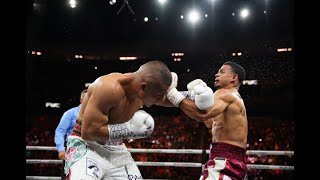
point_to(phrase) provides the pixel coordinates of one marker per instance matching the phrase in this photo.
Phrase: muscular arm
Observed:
(166, 103)
(95, 117)
(221, 100)
(190, 109)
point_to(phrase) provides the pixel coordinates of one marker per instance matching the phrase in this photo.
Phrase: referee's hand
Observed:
(62, 155)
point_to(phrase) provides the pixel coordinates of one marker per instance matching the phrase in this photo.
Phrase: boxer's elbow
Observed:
(197, 116)
(94, 133)
(87, 134)
(201, 118)
(200, 115)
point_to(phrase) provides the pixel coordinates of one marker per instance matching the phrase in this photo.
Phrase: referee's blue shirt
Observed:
(65, 127)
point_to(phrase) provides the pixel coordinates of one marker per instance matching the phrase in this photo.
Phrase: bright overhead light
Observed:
(193, 16)
(162, 2)
(112, 2)
(244, 13)
(73, 3)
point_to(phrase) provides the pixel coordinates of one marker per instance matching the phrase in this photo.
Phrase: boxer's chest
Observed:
(123, 112)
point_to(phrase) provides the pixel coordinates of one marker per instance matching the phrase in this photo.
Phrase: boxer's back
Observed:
(109, 85)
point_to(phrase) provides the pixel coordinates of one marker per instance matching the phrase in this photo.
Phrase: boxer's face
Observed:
(154, 95)
(224, 76)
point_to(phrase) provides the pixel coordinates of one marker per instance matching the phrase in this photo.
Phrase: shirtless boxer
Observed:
(109, 113)
(224, 113)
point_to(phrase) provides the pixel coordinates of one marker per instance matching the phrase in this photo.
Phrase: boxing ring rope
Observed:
(177, 151)
(166, 164)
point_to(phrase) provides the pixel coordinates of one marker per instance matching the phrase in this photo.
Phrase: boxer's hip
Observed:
(228, 151)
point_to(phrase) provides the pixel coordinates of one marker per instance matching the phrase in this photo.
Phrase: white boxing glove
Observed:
(195, 82)
(141, 125)
(204, 98)
(173, 95)
(190, 94)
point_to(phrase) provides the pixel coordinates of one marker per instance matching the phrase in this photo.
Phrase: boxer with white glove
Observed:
(95, 147)
(197, 90)
(203, 95)
(141, 125)
(192, 84)
(173, 95)
(190, 93)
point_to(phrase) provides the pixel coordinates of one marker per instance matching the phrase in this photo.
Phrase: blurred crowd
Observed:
(181, 132)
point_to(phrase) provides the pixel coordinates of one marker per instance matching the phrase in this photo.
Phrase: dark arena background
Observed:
(72, 42)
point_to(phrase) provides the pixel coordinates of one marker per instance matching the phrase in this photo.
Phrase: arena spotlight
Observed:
(112, 2)
(244, 13)
(72, 3)
(193, 16)
(162, 2)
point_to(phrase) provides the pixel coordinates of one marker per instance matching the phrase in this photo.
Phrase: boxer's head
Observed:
(155, 81)
(229, 73)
